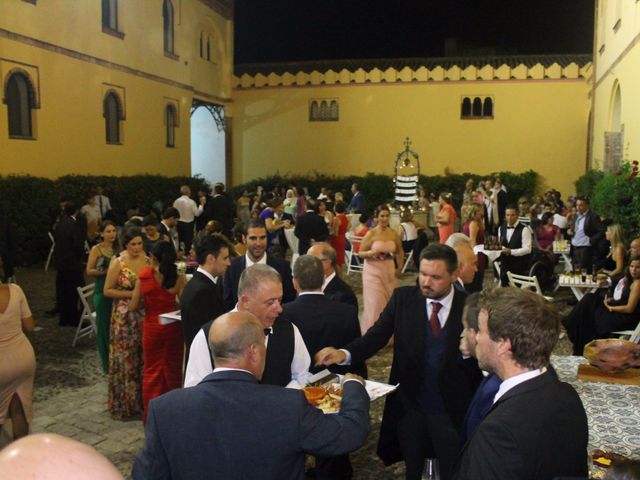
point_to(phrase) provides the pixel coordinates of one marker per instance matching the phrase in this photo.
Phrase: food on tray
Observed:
(606, 459)
(612, 354)
(326, 398)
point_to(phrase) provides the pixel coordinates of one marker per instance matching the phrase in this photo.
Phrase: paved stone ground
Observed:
(70, 393)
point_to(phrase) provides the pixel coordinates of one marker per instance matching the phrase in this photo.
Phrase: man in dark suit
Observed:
(259, 293)
(516, 241)
(168, 224)
(225, 426)
(333, 286)
(255, 238)
(424, 416)
(202, 296)
(221, 208)
(537, 426)
(69, 234)
(356, 205)
(310, 227)
(587, 232)
(323, 322)
(467, 261)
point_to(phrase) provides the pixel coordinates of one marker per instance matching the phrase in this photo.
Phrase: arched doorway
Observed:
(614, 137)
(208, 143)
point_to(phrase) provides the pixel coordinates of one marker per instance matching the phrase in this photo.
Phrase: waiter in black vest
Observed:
(515, 238)
(259, 293)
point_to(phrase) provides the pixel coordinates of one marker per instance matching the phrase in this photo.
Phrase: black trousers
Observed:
(424, 436)
(67, 282)
(582, 257)
(185, 235)
(517, 265)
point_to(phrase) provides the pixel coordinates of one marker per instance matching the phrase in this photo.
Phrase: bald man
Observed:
(467, 260)
(232, 427)
(47, 456)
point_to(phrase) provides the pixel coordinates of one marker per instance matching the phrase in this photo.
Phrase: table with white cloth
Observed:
(293, 241)
(612, 409)
(492, 255)
(578, 287)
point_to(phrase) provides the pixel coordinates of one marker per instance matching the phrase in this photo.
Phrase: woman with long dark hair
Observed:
(99, 258)
(594, 317)
(162, 345)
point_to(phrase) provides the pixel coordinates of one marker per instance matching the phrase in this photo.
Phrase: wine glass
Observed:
(431, 469)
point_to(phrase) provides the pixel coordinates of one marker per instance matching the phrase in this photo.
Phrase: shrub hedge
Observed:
(31, 203)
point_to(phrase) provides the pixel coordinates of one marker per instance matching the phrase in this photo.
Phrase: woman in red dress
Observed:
(162, 345)
(340, 228)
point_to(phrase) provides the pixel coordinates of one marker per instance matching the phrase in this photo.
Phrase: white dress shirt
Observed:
(187, 208)
(526, 240)
(327, 280)
(199, 364)
(103, 203)
(509, 383)
(250, 263)
(207, 274)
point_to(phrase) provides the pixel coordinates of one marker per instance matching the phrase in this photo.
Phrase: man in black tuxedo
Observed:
(310, 227)
(424, 416)
(333, 286)
(202, 296)
(516, 240)
(69, 234)
(255, 238)
(229, 426)
(221, 208)
(537, 427)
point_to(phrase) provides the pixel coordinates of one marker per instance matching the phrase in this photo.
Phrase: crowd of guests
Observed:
(251, 322)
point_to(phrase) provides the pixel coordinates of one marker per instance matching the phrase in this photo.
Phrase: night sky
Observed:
(297, 30)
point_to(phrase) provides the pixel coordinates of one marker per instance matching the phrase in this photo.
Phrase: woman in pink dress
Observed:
(162, 345)
(547, 232)
(17, 360)
(379, 247)
(339, 237)
(446, 218)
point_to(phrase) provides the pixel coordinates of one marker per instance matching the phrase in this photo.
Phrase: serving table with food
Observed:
(581, 284)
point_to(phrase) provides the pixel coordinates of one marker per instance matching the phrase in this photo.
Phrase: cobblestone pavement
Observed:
(70, 393)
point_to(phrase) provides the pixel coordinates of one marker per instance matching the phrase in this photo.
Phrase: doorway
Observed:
(208, 142)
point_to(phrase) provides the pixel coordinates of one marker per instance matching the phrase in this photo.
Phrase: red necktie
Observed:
(433, 319)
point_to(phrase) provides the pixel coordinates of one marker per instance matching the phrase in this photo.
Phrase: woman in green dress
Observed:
(97, 266)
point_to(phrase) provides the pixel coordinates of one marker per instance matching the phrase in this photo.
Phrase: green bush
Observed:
(31, 203)
(617, 197)
(586, 184)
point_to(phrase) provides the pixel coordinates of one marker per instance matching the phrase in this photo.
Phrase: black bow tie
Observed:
(510, 228)
(267, 331)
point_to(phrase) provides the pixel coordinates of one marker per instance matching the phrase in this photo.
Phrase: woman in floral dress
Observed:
(125, 342)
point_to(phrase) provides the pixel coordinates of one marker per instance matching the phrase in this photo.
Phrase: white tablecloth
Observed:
(613, 411)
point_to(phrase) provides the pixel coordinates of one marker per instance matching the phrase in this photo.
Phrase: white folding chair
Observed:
(87, 324)
(526, 283)
(631, 335)
(408, 257)
(354, 262)
(53, 245)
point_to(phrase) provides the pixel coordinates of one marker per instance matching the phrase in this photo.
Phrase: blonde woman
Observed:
(614, 261)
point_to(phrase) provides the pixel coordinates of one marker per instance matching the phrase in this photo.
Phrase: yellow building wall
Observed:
(538, 124)
(617, 61)
(62, 45)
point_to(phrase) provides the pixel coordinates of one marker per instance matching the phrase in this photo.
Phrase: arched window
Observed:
(333, 110)
(466, 107)
(477, 107)
(208, 48)
(167, 18)
(19, 99)
(112, 115)
(170, 124)
(201, 45)
(487, 108)
(313, 111)
(110, 14)
(324, 110)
